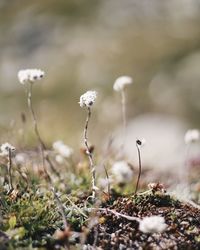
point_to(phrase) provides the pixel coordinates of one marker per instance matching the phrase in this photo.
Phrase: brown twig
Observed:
(107, 176)
(131, 218)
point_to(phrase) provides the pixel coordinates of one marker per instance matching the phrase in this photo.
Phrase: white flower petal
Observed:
(6, 147)
(122, 172)
(30, 75)
(152, 224)
(192, 135)
(88, 99)
(121, 82)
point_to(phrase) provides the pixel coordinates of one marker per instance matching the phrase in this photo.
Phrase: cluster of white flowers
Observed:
(140, 143)
(5, 148)
(63, 150)
(152, 224)
(121, 82)
(88, 99)
(30, 75)
(121, 172)
(192, 135)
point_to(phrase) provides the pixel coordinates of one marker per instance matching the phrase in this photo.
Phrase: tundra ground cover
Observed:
(52, 198)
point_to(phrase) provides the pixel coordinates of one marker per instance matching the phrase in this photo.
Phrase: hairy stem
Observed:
(123, 101)
(41, 142)
(89, 154)
(10, 168)
(140, 169)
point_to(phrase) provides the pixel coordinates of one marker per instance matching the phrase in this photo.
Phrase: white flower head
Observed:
(88, 99)
(104, 182)
(61, 148)
(152, 224)
(6, 147)
(122, 172)
(20, 158)
(30, 75)
(192, 135)
(59, 159)
(140, 143)
(121, 82)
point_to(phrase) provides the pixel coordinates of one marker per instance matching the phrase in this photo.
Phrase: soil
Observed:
(115, 232)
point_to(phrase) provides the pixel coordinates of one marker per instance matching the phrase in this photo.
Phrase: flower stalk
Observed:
(10, 168)
(120, 85)
(123, 101)
(89, 154)
(41, 142)
(87, 100)
(139, 144)
(7, 150)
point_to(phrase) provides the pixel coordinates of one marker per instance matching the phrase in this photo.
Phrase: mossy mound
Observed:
(30, 220)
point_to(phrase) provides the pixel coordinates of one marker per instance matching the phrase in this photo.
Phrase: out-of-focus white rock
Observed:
(165, 136)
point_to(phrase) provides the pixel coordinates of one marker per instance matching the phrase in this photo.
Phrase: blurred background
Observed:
(87, 44)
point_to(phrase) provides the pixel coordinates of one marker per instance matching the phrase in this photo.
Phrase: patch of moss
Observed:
(29, 218)
(158, 199)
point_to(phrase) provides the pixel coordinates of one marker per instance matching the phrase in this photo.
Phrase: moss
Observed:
(158, 199)
(29, 217)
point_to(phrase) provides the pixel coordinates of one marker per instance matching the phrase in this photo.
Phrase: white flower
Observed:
(30, 75)
(121, 82)
(152, 224)
(140, 143)
(6, 147)
(20, 158)
(59, 159)
(104, 182)
(64, 150)
(192, 135)
(88, 99)
(122, 172)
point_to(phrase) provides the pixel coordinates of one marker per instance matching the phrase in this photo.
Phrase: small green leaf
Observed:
(12, 222)
(20, 233)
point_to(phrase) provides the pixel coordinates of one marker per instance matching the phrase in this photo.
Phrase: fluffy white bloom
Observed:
(122, 172)
(104, 182)
(20, 158)
(64, 150)
(6, 147)
(140, 143)
(121, 82)
(152, 224)
(192, 135)
(60, 159)
(30, 75)
(88, 99)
